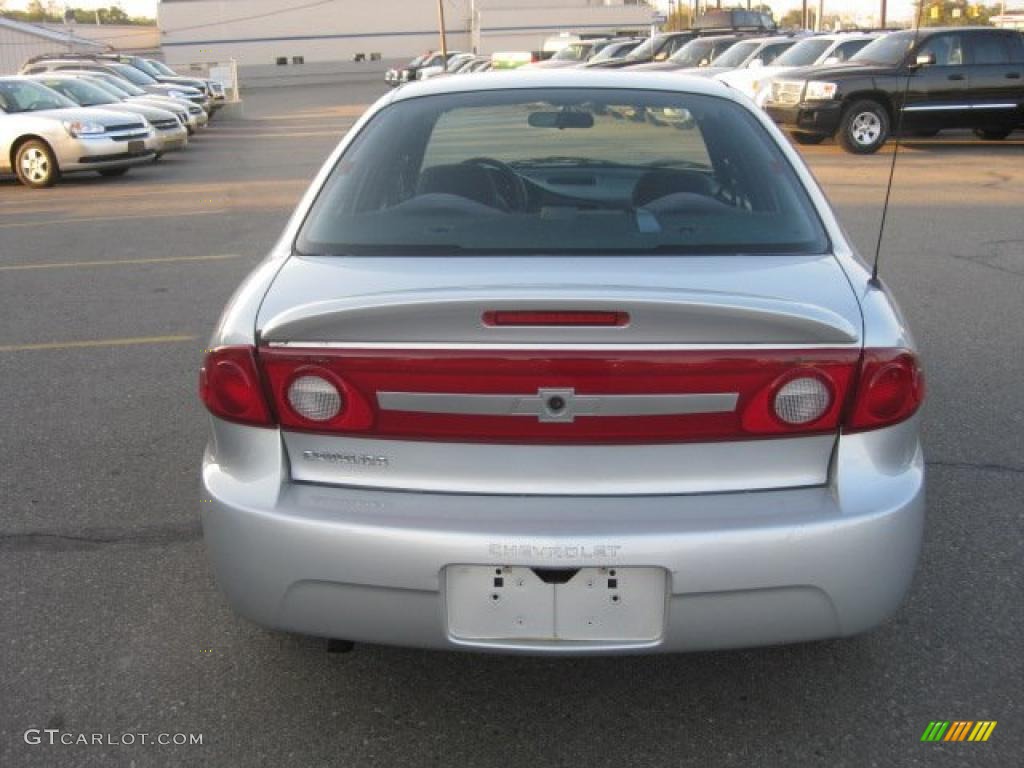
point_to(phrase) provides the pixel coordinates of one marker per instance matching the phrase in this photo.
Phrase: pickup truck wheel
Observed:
(808, 139)
(864, 127)
(35, 164)
(992, 134)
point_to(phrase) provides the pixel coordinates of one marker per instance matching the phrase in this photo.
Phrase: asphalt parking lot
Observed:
(111, 622)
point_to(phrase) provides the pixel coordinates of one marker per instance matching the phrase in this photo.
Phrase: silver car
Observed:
(44, 135)
(524, 376)
(191, 116)
(169, 133)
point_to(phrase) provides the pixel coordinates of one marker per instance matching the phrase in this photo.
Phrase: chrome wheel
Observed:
(35, 165)
(865, 128)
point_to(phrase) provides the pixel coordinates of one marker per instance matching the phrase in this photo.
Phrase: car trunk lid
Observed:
(559, 375)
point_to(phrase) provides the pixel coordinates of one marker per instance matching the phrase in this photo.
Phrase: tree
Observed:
(795, 18)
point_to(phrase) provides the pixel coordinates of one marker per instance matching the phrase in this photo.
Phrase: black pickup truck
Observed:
(923, 82)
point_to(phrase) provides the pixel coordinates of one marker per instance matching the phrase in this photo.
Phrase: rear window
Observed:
(551, 171)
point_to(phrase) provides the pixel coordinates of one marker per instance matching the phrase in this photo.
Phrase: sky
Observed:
(898, 9)
(131, 7)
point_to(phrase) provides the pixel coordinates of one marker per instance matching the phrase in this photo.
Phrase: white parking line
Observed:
(52, 345)
(115, 262)
(90, 219)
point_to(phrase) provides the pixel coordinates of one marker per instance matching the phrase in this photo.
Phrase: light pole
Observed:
(444, 37)
(882, 20)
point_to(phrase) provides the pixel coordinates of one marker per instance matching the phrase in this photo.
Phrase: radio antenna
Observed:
(896, 145)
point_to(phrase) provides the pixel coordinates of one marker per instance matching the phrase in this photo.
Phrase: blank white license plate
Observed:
(494, 603)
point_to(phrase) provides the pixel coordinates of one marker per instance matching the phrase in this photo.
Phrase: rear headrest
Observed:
(464, 180)
(663, 181)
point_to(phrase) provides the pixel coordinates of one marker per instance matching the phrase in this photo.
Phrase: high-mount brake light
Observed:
(584, 318)
(230, 386)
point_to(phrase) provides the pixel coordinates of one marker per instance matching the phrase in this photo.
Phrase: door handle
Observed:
(1013, 75)
(956, 77)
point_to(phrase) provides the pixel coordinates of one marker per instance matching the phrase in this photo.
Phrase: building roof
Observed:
(47, 34)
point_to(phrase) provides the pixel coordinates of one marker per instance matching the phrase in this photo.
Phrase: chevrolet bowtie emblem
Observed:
(557, 404)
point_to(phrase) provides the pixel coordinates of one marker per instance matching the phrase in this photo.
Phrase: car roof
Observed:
(768, 39)
(521, 79)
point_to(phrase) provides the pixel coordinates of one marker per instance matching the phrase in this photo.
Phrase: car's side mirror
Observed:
(661, 56)
(703, 62)
(831, 60)
(755, 64)
(924, 60)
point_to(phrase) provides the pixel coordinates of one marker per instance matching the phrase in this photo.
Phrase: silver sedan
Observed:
(44, 134)
(169, 133)
(567, 362)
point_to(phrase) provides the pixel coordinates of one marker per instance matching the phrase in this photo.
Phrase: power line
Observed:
(253, 17)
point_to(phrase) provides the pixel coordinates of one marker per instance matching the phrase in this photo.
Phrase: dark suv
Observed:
(964, 77)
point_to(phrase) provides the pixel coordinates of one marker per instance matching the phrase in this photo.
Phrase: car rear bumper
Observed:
(744, 569)
(820, 118)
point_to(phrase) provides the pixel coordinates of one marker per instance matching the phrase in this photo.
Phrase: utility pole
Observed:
(881, 22)
(444, 36)
(820, 16)
(803, 17)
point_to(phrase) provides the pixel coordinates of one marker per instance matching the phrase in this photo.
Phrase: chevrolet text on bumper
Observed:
(598, 396)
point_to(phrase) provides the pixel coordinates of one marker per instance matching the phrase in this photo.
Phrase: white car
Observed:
(821, 49)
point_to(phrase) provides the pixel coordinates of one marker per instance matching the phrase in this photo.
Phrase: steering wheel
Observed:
(509, 185)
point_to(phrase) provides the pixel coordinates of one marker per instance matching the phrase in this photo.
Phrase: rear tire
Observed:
(808, 139)
(35, 164)
(112, 172)
(992, 134)
(864, 127)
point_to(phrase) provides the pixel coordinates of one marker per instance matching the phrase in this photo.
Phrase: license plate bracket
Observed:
(490, 603)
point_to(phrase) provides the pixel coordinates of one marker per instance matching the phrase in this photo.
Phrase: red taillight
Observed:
(777, 392)
(229, 386)
(890, 389)
(557, 318)
(807, 387)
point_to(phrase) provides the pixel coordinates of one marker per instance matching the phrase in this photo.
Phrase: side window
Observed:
(675, 44)
(770, 53)
(846, 50)
(1016, 48)
(990, 48)
(947, 49)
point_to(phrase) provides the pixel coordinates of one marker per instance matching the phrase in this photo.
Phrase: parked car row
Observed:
(68, 114)
(859, 87)
(922, 82)
(435, 63)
